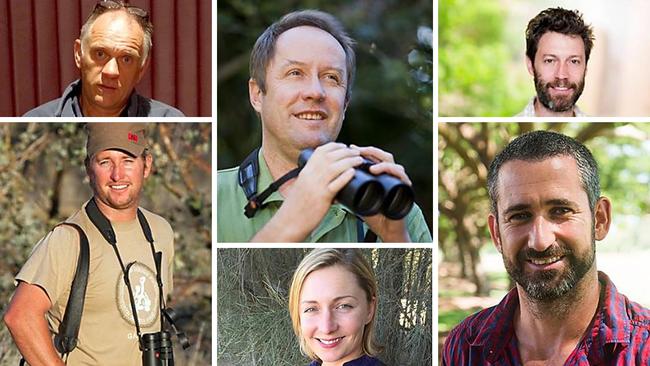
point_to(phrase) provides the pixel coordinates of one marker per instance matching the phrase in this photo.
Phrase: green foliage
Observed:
(391, 105)
(475, 61)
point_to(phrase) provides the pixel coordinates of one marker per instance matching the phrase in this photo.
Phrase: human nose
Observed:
(327, 323)
(111, 68)
(314, 89)
(562, 71)
(117, 172)
(541, 235)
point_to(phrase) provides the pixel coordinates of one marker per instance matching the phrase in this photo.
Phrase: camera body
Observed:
(367, 194)
(157, 349)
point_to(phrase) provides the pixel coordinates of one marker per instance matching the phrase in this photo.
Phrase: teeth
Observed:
(310, 116)
(119, 187)
(545, 261)
(329, 342)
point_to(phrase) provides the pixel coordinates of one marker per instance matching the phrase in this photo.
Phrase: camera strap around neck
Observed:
(248, 174)
(106, 229)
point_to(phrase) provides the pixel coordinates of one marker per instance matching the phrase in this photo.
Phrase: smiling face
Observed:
(334, 311)
(545, 230)
(559, 70)
(110, 62)
(116, 179)
(304, 102)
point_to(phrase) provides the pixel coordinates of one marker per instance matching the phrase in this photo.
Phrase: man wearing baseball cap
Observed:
(123, 265)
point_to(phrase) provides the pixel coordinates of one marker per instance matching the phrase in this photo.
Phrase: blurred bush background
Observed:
(392, 101)
(43, 181)
(254, 327)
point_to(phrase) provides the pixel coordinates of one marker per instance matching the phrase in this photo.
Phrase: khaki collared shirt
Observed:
(529, 111)
(338, 225)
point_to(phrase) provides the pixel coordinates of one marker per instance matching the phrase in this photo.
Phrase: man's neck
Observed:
(279, 164)
(542, 111)
(115, 215)
(547, 332)
(89, 111)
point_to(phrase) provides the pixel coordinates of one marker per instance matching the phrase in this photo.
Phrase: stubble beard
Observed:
(558, 104)
(550, 285)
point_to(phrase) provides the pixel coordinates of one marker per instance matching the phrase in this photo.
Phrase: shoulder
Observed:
(152, 108)
(44, 110)
(464, 334)
(157, 223)
(417, 226)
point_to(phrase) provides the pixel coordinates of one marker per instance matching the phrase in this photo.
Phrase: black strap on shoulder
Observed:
(257, 201)
(101, 222)
(66, 340)
(249, 171)
(369, 237)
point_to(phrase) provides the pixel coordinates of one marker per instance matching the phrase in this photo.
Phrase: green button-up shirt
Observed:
(338, 225)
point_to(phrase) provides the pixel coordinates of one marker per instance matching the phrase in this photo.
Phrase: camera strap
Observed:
(249, 171)
(106, 229)
(248, 174)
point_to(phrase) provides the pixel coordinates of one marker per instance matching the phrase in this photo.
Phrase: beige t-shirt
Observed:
(107, 333)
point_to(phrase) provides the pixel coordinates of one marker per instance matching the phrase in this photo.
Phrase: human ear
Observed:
(602, 218)
(144, 67)
(255, 95)
(77, 53)
(493, 225)
(148, 163)
(530, 66)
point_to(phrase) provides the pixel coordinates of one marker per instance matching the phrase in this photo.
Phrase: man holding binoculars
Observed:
(302, 68)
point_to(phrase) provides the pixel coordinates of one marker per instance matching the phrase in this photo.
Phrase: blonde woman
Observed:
(332, 303)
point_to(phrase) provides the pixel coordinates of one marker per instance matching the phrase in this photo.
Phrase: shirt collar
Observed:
(611, 326)
(529, 111)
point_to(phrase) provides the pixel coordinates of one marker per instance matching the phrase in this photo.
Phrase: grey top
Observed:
(68, 106)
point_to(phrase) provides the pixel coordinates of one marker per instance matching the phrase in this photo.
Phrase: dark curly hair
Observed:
(558, 20)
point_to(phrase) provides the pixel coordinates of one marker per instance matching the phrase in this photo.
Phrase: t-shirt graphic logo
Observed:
(146, 300)
(142, 301)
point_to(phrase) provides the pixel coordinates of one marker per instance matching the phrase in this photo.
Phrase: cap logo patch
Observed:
(133, 137)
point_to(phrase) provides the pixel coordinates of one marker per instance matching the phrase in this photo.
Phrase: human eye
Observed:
(344, 307)
(333, 77)
(308, 310)
(576, 61)
(294, 72)
(561, 211)
(100, 54)
(519, 217)
(548, 60)
(127, 60)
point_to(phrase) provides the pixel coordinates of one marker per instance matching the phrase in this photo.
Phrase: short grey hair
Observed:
(133, 11)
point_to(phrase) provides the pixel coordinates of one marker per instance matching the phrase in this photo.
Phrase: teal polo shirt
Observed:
(338, 225)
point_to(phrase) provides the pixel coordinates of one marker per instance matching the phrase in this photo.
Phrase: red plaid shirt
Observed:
(619, 335)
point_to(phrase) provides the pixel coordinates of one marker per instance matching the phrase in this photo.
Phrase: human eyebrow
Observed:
(516, 208)
(338, 298)
(560, 202)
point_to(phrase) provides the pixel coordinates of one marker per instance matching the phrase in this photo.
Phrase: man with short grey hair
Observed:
(112, 54)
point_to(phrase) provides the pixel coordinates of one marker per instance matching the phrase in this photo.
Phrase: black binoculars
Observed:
(157, 349)
(367, 194)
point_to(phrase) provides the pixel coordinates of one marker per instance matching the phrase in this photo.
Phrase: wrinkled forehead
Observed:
(117, 24)
(310, 45)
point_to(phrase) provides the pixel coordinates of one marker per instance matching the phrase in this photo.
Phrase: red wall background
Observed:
(36, 52)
